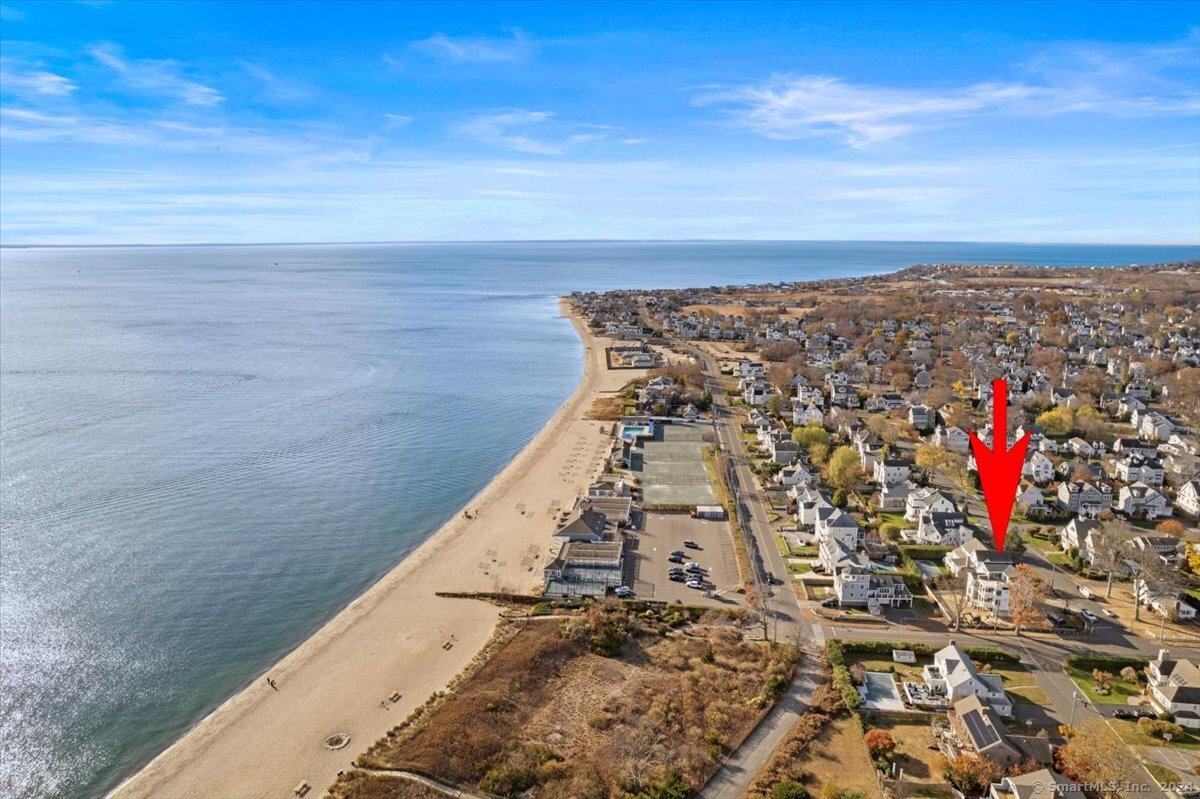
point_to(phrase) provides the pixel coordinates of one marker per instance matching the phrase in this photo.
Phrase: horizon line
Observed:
(118, 245)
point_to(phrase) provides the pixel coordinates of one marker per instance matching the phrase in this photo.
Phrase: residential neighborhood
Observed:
(850, 408)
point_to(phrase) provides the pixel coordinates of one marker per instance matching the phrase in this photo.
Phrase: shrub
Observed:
(880, 743)
(671, 786)
(508, 780)
(788, 789)
(1102, 682)
(1159, 729)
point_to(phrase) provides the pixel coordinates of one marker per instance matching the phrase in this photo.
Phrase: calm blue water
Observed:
(206, 452)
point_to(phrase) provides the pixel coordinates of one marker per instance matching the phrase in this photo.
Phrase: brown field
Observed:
(547, 713)
(366, 785)
(839, 758)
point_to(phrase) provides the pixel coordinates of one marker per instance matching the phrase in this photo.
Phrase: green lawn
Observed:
(781, 543)
(891, 517)
(799, 568)
(1129, 732)
(1161, 774)
(1121, 689)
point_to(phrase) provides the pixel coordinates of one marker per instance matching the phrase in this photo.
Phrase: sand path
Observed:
(261, 743)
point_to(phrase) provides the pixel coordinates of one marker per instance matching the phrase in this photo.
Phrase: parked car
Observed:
(694, 567)
(623, 591)
(829, 603)
(1091, 617)
(1143, 713)
(695, 583)
(773, 580)
(1057, 621)
(1123, 713)
(690, 544)
(676, 558)
(677, 577)
(678, 553)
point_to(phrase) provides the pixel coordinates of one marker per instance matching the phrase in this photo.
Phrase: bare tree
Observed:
(1109, 552)
(954, 592)
(1025, 590)
(641, 750)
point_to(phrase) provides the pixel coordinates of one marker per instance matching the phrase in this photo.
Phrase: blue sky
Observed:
(154, 122)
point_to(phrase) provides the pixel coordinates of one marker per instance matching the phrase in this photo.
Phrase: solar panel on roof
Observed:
(983, 733)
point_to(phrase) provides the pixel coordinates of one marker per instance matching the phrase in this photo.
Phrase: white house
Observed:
(835, 523)
(1174, 687)
(1140, 469)
(1038, 468)
(856, 584)
(810, 414)
(1188, 498)
(895, 496)
(987, 587)
(1077, 534)
(966, 556)
(954, 676)
(1141, 501)
(1030, 498)
(889, 471)
(1165, 600)
(953, 439)
(940, 529)
(927, 500)
(1040, 784)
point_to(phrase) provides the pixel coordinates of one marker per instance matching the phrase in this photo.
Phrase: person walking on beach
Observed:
(271, 683)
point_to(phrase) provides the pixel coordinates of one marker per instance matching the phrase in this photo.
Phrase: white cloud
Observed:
(155, 77)
(795, 107)
(514, 129)
(396, 120)
(33, 81)
(1131, 81)
(10, 14)
(477, 49)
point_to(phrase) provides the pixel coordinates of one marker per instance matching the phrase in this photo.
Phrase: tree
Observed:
(776, 405)
(1193, 558)
(1027, 766)
(843, 469)
(1058, 422)
(1170, 527)
(780, 377)
(972, 774)
(899, 375)
(1025, 590)
(931, 457)
(954, 592)
(1108, 552)
(1102, 682)
(641, 750)
(1095, 754)
(810, 434)
(880, 743)
(818, 453)
(1090, 423)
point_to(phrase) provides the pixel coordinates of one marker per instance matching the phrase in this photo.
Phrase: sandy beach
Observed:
(398, 636)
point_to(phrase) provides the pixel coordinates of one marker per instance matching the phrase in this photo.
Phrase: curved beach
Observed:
(398, 637)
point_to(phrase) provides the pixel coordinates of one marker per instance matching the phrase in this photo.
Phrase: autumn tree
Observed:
(972, 774)
(880, 743)
(1170, 527)
(1025, 591)
(1058, 422)
(780, 375)
(1095, 754)
(931, 457)
(843, 470)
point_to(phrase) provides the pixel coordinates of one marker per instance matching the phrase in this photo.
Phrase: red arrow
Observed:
(999, 467)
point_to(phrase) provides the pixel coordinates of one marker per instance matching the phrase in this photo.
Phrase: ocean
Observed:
(206, 452)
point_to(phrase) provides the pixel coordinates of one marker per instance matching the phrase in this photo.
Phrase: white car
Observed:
(623, 591)
(1087, 614)
(695, 584)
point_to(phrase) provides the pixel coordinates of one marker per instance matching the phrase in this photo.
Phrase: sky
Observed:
(146, 122)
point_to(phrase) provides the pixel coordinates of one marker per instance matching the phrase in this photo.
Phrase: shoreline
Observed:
(397, 636)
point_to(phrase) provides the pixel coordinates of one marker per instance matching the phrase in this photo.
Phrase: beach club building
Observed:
(582, 569)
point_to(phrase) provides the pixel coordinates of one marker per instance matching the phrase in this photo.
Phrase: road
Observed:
(783, 610)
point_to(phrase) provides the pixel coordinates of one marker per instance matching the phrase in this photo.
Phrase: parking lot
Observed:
(661, 533)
